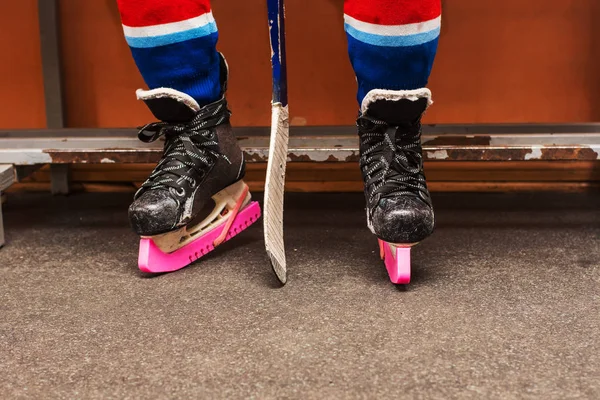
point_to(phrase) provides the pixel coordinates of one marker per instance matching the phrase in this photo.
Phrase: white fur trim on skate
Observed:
(395, 95)
(167, 92)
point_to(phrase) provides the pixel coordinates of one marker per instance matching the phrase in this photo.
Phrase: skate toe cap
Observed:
(153, 213)
(403, 220)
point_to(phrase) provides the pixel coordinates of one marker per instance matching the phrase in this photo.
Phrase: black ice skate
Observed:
(399, 209)
(201, 161)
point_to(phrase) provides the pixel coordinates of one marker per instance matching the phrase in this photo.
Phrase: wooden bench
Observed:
(23, 151)
(313, 144)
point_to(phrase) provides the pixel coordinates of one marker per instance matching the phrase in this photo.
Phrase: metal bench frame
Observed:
(7, 177)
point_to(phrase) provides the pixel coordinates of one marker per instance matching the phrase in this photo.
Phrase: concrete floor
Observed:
(505, 303)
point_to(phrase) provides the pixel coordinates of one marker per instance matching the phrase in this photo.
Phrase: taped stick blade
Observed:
(278, 267)
(274, 190)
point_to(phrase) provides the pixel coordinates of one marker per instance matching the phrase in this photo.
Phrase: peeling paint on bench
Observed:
(121, 146)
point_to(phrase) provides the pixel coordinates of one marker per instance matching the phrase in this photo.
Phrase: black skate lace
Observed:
(191, 149)
(391, 160)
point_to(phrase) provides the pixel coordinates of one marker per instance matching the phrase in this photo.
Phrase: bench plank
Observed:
(122, 146)
(7, 176)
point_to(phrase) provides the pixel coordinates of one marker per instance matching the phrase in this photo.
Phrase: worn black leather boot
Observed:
(202, 164)
(399, 208)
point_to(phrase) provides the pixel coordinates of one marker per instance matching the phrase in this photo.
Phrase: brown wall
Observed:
(21, 96)
(509, 61)
(518, 61)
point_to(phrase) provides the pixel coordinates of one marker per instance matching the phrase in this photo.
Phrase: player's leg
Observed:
(173, 43)
(392, 46)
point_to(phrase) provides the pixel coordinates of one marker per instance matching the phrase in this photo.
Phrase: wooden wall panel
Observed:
(21, 98)
(518, 61)
(509, 61)
(100, 76)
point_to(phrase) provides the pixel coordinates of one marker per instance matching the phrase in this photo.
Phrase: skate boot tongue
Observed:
(396, 107)
(169, 105)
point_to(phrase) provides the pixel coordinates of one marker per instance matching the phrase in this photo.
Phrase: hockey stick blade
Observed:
(278, 146)
(274, 191)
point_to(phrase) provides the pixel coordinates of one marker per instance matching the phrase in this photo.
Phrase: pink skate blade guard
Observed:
(153, 260)
(397, 262)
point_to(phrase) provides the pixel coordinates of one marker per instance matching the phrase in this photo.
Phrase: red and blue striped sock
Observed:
(392, 43)
(173, 43)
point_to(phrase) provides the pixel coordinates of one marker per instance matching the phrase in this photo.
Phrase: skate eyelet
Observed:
(180, 192)
(193, 184)
(209, 135)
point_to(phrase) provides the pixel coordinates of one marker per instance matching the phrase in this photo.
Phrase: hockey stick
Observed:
(278, 147)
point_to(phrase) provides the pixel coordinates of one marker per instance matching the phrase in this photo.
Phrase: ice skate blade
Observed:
(397, 261)
(153, 260)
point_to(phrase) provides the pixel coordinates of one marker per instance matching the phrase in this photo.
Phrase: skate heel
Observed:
(233, 212)
(397, 261)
